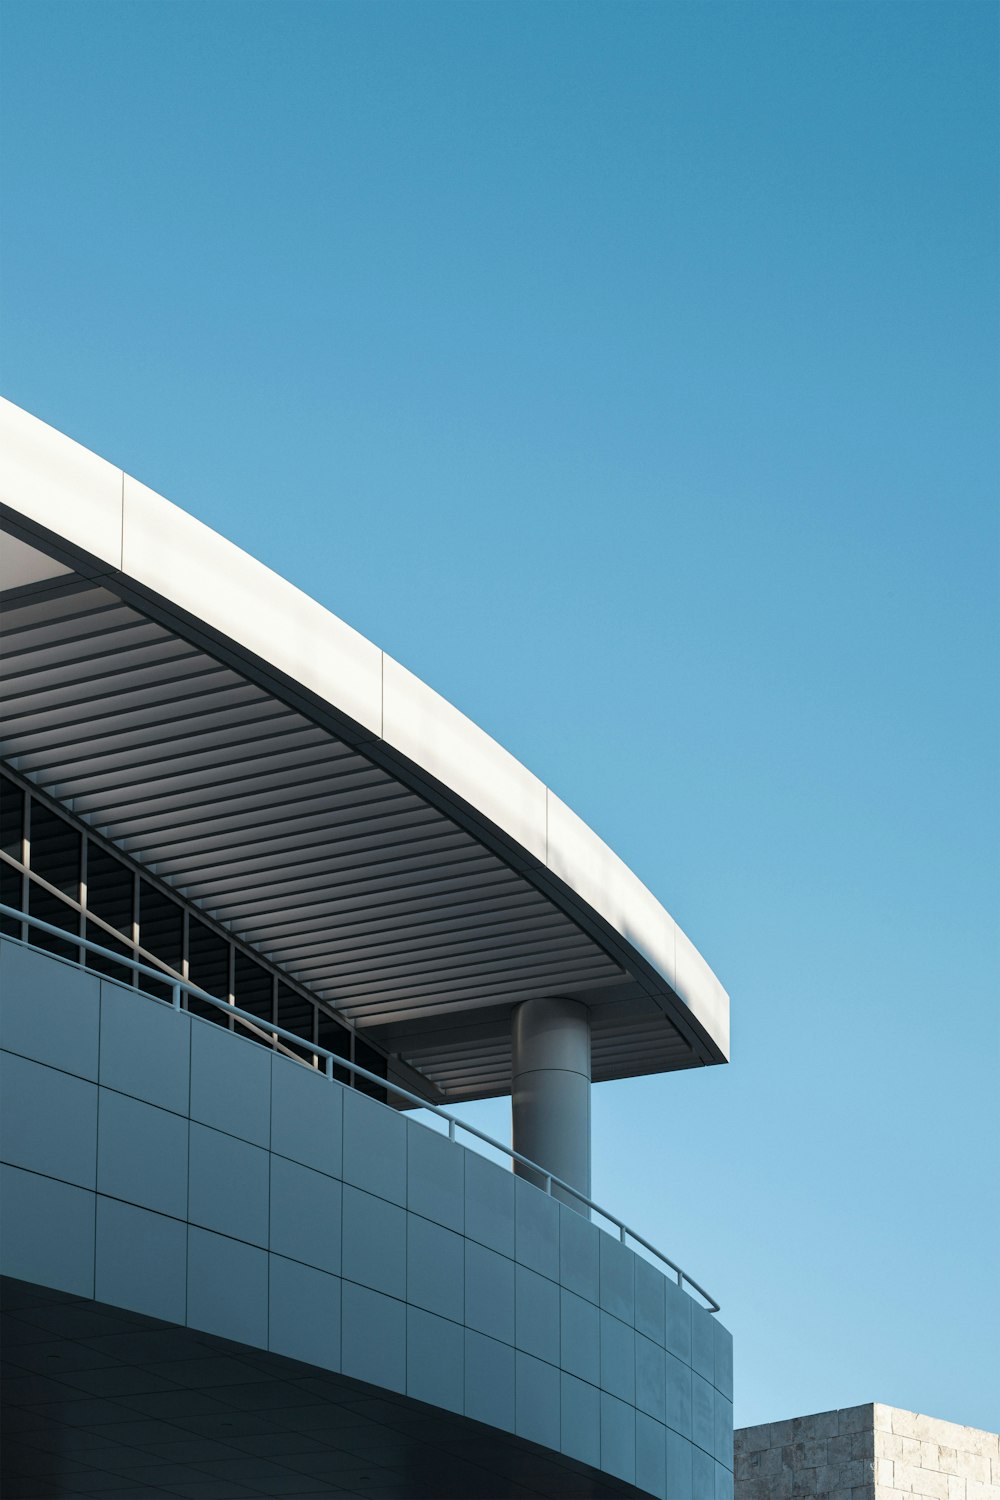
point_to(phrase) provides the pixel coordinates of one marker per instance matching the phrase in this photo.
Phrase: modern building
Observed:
(870, 1452)
(263, 895)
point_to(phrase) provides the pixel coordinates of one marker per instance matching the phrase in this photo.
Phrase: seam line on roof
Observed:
(546, 828)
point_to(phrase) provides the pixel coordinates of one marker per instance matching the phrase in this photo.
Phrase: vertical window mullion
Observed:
(135, 921)
(184, 953)
(12, 875)
(82, 895)
(26, 861)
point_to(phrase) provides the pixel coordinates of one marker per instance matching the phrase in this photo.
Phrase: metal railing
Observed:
(328, 1062)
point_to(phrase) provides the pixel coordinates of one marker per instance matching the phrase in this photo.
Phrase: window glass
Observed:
(11, 817)
(109, 889)
(296, 1014)
(10, 895)
(102, 965)
(161, 925)
(161, 932)
(49, 908)
(11, 825)
(252, 991)
(55, 850)
(251, 986)
(335, 1038)
(367, 1057)
(208, 968)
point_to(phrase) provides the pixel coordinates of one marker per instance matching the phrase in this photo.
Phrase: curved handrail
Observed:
(332, 1060)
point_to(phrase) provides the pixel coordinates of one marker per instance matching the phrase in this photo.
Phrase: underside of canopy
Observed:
(310, 796)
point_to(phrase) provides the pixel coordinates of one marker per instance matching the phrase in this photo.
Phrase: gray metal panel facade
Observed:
(161, 1164)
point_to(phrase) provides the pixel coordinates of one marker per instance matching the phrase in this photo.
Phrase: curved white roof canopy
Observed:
(311, 794)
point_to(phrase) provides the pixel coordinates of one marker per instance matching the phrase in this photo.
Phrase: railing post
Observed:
(175, 995)
(329, 1068)
(548, 1184)
(621, 1233)
(451, 1130)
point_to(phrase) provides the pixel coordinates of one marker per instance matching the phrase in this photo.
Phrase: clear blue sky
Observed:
(628, 371)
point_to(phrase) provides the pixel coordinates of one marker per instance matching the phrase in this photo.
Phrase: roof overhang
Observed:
(312, 795)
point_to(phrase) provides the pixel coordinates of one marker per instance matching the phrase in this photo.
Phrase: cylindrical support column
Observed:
(550, 1091)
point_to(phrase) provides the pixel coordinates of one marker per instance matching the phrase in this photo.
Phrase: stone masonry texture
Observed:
(870, 1452)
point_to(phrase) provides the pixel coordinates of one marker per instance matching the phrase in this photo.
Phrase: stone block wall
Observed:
(828, 1456)
(923, 1458)
(870, 1452)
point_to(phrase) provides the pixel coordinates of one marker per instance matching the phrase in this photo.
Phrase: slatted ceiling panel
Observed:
(398, 1006)
(354, 884)
(393, 878)
(184, 692)
(332, 819)
(247, 829)
(314, 780)
(380, 916)
(368, 902)
(68, 752)
(647, 1065)
(476, 1061)
(119, 764)
(255, 744)
(186, 682)
(78, 666)
(74, 638)
(212, 693)
(427, 984)
(486, 1073)
(358, 919)
(607, 1057)
(291, 755)
(511, 964)
(421, 954)
(165, 825)
(159, 815)
(375, 1001)
(429, 954)
(71, 597)
(83, 673)
(442, 1054)
(131, 666)
(362, 912)
(295, 923)
(352, 842)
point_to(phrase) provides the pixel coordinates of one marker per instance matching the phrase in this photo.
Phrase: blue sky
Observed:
(629, 372)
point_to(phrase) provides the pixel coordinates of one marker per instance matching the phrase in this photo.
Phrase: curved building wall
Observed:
(156, 1162)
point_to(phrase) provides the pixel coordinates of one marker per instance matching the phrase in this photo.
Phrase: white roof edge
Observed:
(147, 540)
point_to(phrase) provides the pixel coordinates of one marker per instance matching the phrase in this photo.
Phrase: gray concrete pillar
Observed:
(550, 1091)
